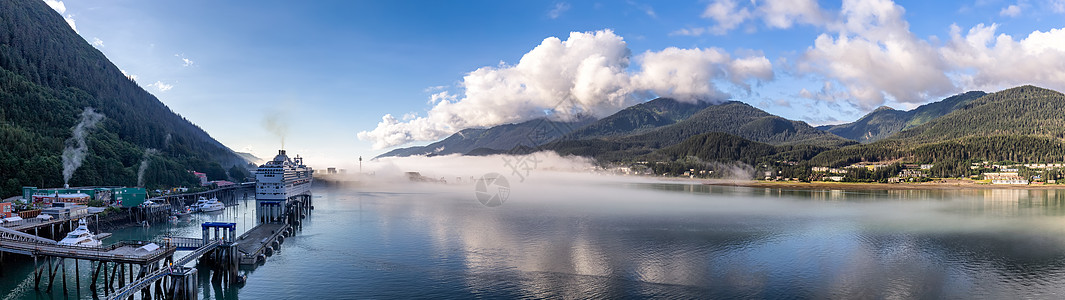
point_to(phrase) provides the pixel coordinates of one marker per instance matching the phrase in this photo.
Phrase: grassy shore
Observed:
(948, 184)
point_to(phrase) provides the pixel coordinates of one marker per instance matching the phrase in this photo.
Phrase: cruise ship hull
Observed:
(278, 183)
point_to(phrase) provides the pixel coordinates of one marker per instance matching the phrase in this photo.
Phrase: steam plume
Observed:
(276, 124)
(75, 149)
(144, 164)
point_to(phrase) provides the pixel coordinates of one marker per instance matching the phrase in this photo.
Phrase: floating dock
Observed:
(261, 241)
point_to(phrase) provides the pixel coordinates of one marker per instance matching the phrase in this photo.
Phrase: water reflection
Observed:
(664, 240)
(744, 242)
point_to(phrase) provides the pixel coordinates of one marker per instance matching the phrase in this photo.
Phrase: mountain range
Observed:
(1025, 123)
(885, 121)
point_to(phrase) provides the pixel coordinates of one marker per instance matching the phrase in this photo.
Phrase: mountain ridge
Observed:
(496, 139)
(885, 121)
(49, 75)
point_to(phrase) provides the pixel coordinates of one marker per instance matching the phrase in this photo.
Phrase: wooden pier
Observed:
(260, 242)
(130, 267)
(49, 257)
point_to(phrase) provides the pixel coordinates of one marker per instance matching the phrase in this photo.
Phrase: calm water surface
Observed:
(647, 240)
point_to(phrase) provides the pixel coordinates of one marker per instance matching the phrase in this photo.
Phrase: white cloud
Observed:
(988, 61)
(726, 14)
(442, 96)
(162, 87)
(1010, 11)
(130, 76)
(186, 62)
(783, 14)
(70, 21)
(434, 88)
(729, 14)
(874, 55)
(557, 11)
(96, 42)
(647, 9)
(587, 74)
(687, 74)
(1057, 6)
(58, 6)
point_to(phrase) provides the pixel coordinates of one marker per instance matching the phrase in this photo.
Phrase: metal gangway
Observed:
(147, 280)
(224, 234)
(15, 235)
(122, 252)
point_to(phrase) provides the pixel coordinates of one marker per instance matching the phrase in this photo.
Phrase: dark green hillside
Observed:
(876, 125)
(48, 76)
(494, 140)
(951, 157)
(925, 113)
(739, 119)
(736, 119)
(639, 118)
(717, 146)
(1025, 110)
(885, 121)
(1024, 124)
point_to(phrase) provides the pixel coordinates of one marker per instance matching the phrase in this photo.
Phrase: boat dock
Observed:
(127, 268)
(254, 244)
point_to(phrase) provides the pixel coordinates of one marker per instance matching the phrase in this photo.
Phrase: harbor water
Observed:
(623, 239)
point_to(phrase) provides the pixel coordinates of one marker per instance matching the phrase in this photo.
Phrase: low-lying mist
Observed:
(574, 186)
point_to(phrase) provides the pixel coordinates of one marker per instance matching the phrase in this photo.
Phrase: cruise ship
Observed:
(282, 178)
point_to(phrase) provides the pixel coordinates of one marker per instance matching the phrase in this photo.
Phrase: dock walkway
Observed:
(122, 252)
(146, 281)
(252, 243)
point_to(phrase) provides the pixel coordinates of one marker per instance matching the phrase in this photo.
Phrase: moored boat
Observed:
(80, 237)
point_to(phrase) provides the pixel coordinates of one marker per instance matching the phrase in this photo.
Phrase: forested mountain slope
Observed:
(496, 139)
(49, 75)
(885, 121)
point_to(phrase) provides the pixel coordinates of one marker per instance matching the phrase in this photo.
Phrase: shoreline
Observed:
(960, 185)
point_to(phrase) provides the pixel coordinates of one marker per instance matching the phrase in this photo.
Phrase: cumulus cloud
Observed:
(727, 14)
(1010, 11)
(557, 11)
(70, 21)
(989, 61)
(97, 42)
(784, 14)
(1057, 6)
(58, 6)
(162, 87)
(873, 54)
(587, 74)
(730, 14)
(686, 74)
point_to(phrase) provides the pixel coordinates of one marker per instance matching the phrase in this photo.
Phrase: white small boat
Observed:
(80, 236)
(208, 205)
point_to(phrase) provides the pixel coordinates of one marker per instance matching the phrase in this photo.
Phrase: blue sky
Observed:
(333, 69)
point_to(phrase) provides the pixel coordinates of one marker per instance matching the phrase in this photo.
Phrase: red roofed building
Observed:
(201, 176)
(222, 183)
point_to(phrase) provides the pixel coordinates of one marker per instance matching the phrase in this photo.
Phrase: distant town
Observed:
(997, 173)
